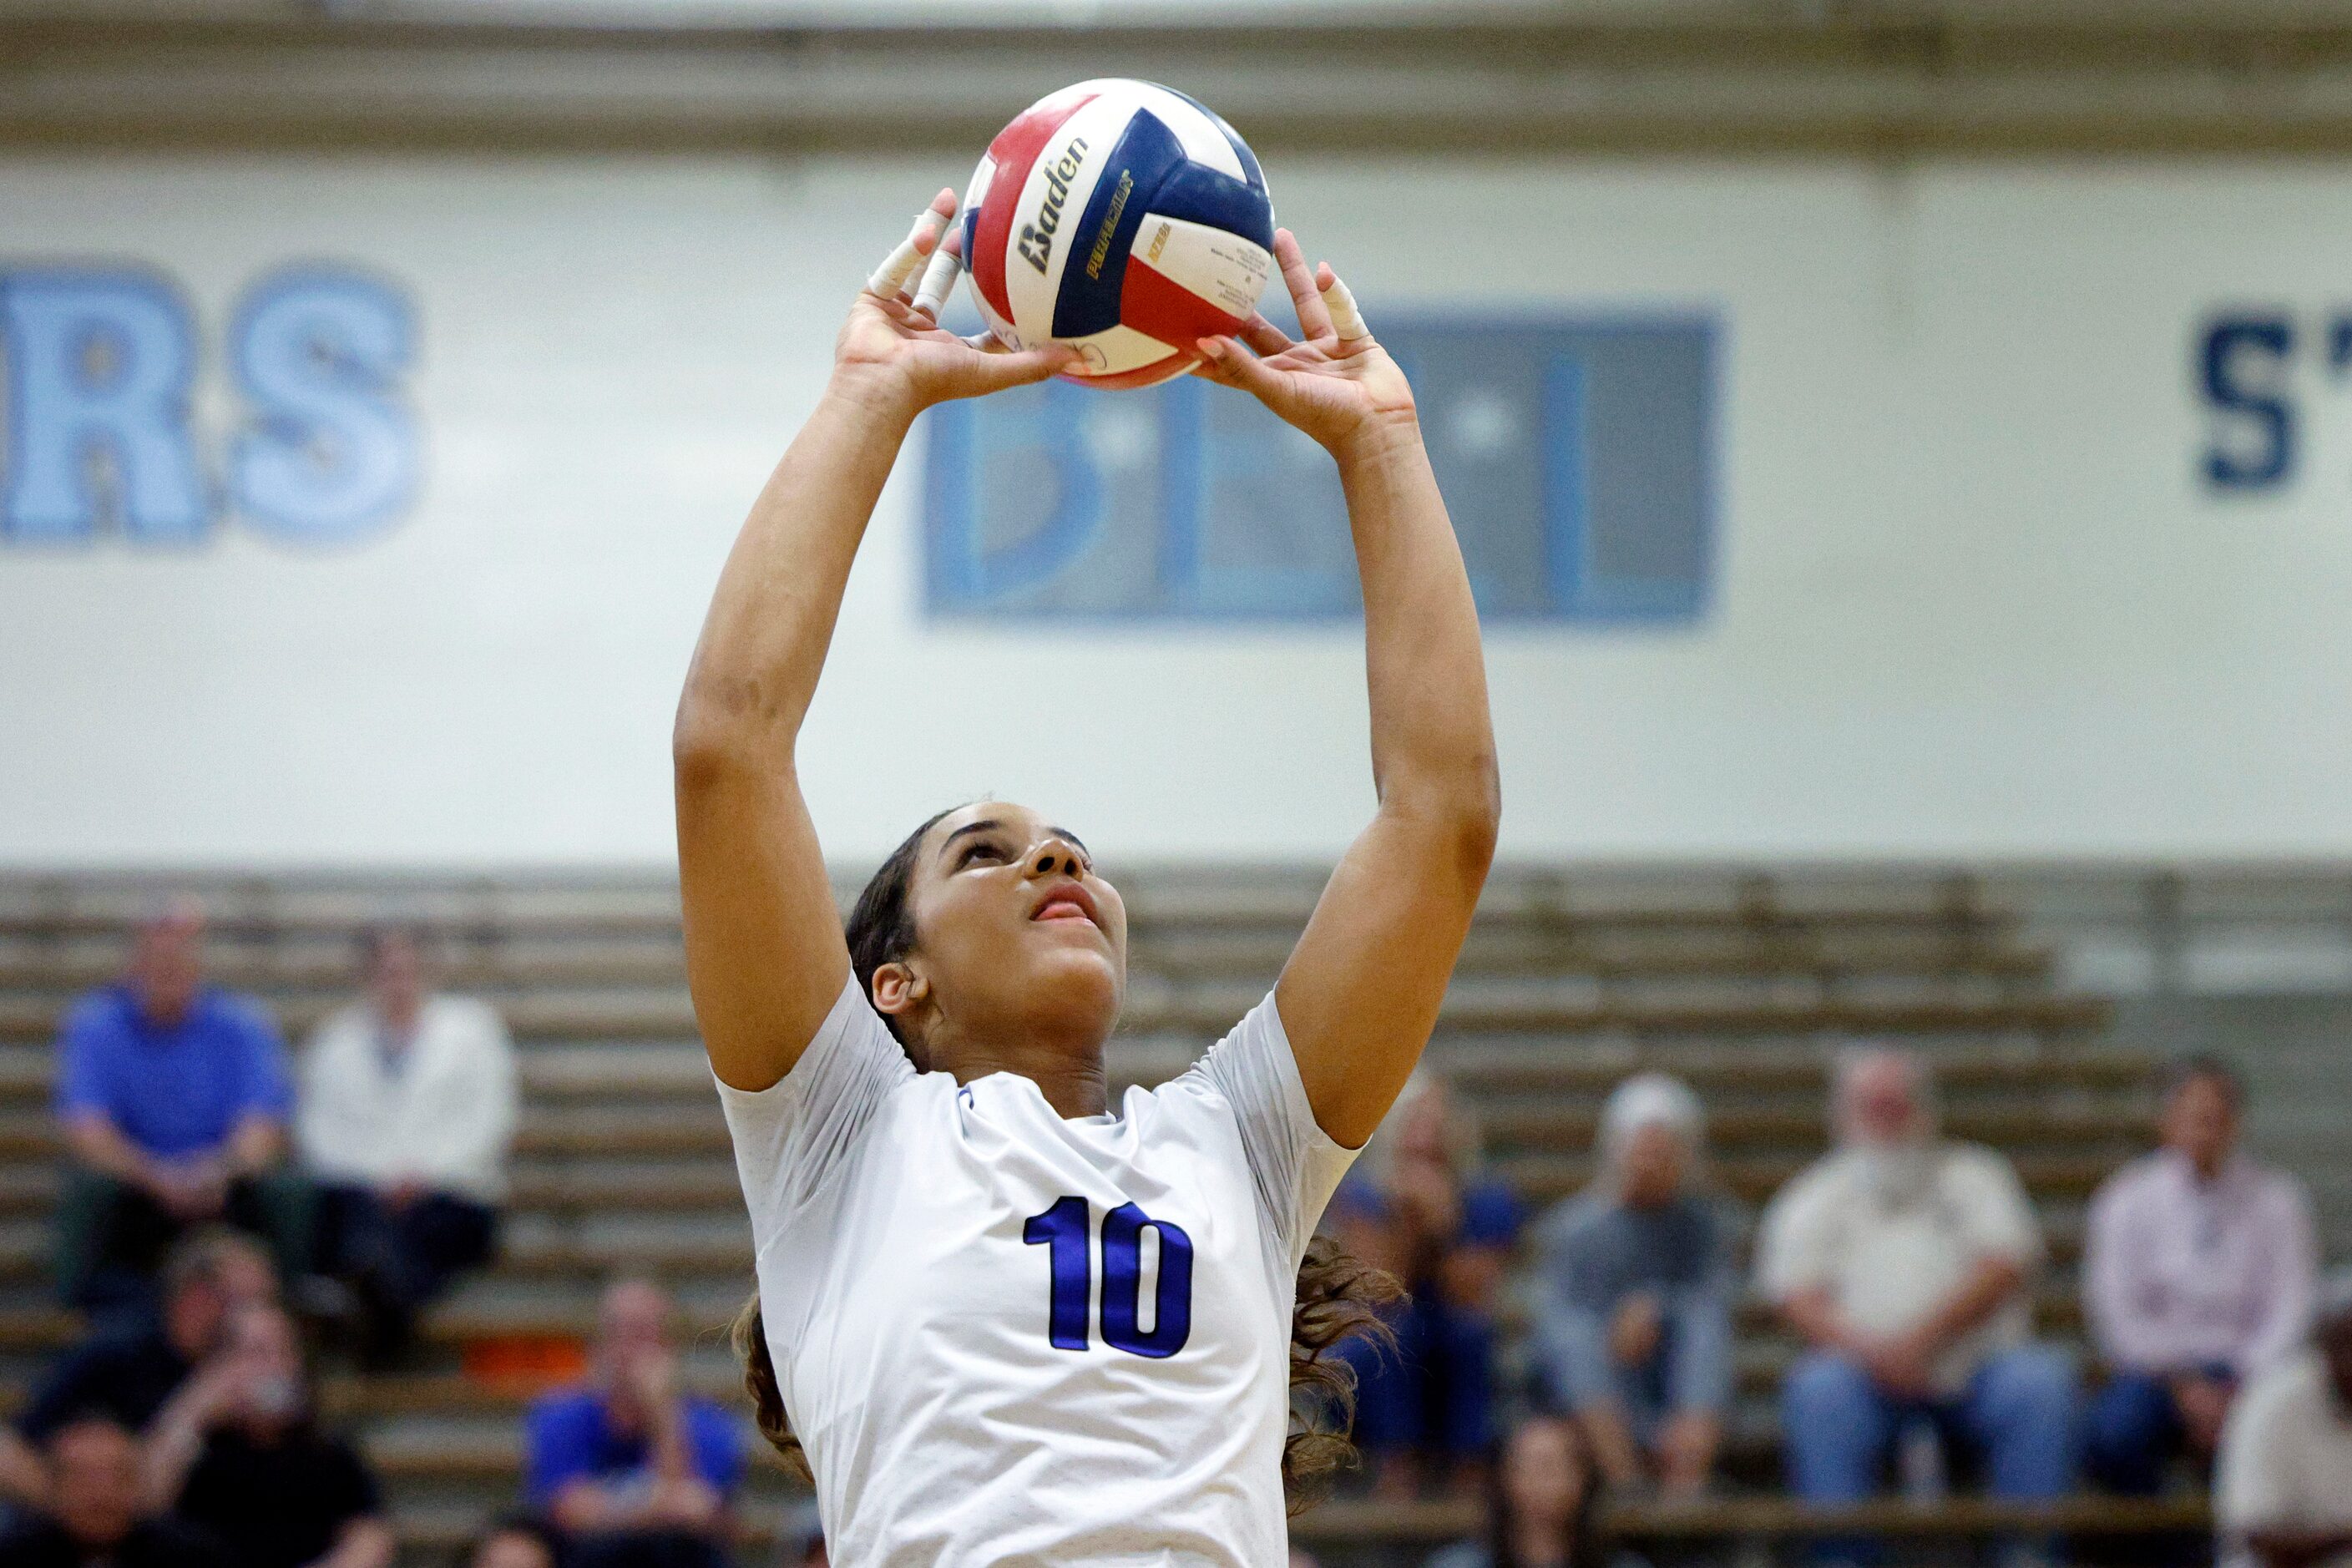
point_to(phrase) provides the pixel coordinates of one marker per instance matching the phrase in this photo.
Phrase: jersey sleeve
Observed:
(793, 1136)
(1293, 1162)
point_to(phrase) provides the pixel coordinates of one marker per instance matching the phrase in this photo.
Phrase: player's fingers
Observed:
(1345, 319)
(1263, 336)
(901, 264)
(939, 276)
(1232, 365)
(1314, 321)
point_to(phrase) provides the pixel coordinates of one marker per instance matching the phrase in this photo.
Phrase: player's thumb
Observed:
(1024, 367)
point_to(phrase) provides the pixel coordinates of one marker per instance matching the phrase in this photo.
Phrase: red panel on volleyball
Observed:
(1158, 307)
(1015, 151)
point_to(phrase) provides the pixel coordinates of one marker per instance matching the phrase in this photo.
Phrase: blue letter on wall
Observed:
(99, 367)
(329, 452)
(2243, 369)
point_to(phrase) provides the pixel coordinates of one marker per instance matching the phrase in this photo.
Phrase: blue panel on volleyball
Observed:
(1133, 173)
(1577, 456)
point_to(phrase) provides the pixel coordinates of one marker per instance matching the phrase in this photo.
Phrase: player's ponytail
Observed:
(750, 1337)
(1339, 1297)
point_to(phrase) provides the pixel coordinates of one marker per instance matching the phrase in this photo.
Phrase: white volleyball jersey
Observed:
(1008, 1338)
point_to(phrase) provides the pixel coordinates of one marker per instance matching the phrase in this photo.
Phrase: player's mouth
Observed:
(1068, 901)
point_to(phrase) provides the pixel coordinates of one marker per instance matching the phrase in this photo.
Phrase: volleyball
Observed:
(1124, 219)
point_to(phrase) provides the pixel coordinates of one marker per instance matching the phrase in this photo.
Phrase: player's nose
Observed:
(1055, 857)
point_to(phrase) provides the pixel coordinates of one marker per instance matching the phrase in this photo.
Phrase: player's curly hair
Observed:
(1339, 1297)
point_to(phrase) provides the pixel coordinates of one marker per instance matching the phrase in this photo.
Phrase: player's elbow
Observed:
(717, 732)
(1460, 810)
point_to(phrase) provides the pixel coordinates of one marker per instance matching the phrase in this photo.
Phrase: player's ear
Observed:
(899, 991)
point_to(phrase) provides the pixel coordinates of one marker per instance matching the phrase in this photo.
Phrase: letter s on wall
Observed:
(328, 453)
(2242, 372)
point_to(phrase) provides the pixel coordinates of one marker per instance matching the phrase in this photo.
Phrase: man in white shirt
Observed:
(1903, 1261)
(2283, 1497)
(407, 1111)
(2197, 1270)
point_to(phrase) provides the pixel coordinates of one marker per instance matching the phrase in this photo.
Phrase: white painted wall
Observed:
(1970, 599)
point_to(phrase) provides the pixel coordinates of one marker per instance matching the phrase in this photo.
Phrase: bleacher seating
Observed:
(1745, 985)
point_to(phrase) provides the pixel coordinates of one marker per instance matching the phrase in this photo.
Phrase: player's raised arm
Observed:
(764, 951)
(1361, 992)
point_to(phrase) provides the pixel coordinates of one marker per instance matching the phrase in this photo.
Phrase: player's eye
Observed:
(974, 850)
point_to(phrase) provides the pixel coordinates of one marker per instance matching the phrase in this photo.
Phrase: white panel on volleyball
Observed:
(1224, 268)
(1031, 293)
(1203, 141)
(1115, 351)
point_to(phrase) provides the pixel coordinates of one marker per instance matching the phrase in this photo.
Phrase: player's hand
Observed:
(893, 339)
(1338, 384)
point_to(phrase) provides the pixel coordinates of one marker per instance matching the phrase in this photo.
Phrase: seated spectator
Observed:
(2283, 1494)
(1635, 1281)
(174, 1099)
(1420, 1207)
(1543, 1498)
(634, 1471)
(128, 1373)
(237, 1454)
(95, 1518)
(1903, 1262)
(518, 1540)
(406, 1113)
(2198, 1268)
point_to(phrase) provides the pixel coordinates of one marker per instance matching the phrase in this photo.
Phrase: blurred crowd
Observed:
(229, 1211)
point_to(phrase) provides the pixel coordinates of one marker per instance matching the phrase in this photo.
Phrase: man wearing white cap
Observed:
(1634, 1326)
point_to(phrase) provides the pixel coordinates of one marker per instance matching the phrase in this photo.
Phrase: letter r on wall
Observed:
(98, 365)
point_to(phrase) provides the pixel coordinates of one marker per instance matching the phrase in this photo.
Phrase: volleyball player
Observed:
(1008, 1322)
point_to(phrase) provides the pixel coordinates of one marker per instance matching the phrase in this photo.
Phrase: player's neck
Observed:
(1068, 1072)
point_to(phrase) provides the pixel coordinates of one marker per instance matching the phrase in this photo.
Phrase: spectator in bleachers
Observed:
(173, 1097)
(405, 1117)
(2283, 1497)
(517, 1541)
(1635, 1281)
(1543, 1501)
(1422, 1205)
(95, 1517)
(2197, 1269)
(128, 1374)
(1904, 1263)
(239, 1454)
(635, 1472)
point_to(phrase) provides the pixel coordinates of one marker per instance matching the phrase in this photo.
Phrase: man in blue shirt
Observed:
(635, 1473)
(173, 1096)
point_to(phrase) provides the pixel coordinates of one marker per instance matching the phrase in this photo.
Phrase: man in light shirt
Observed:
(1903, 1261)
(2197, 1269)
(2284, 1496)
(406, 1111)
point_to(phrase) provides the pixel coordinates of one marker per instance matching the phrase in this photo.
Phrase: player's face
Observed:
(1012, 924)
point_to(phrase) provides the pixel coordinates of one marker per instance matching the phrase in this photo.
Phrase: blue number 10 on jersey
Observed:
(1062, 1229)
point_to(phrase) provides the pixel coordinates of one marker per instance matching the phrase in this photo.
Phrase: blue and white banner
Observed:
(1577, 455)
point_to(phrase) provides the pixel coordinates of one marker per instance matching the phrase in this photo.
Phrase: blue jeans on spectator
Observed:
(1690, 1370)
(2133, 1430)
(1431, 1390)
(2016, 1415)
